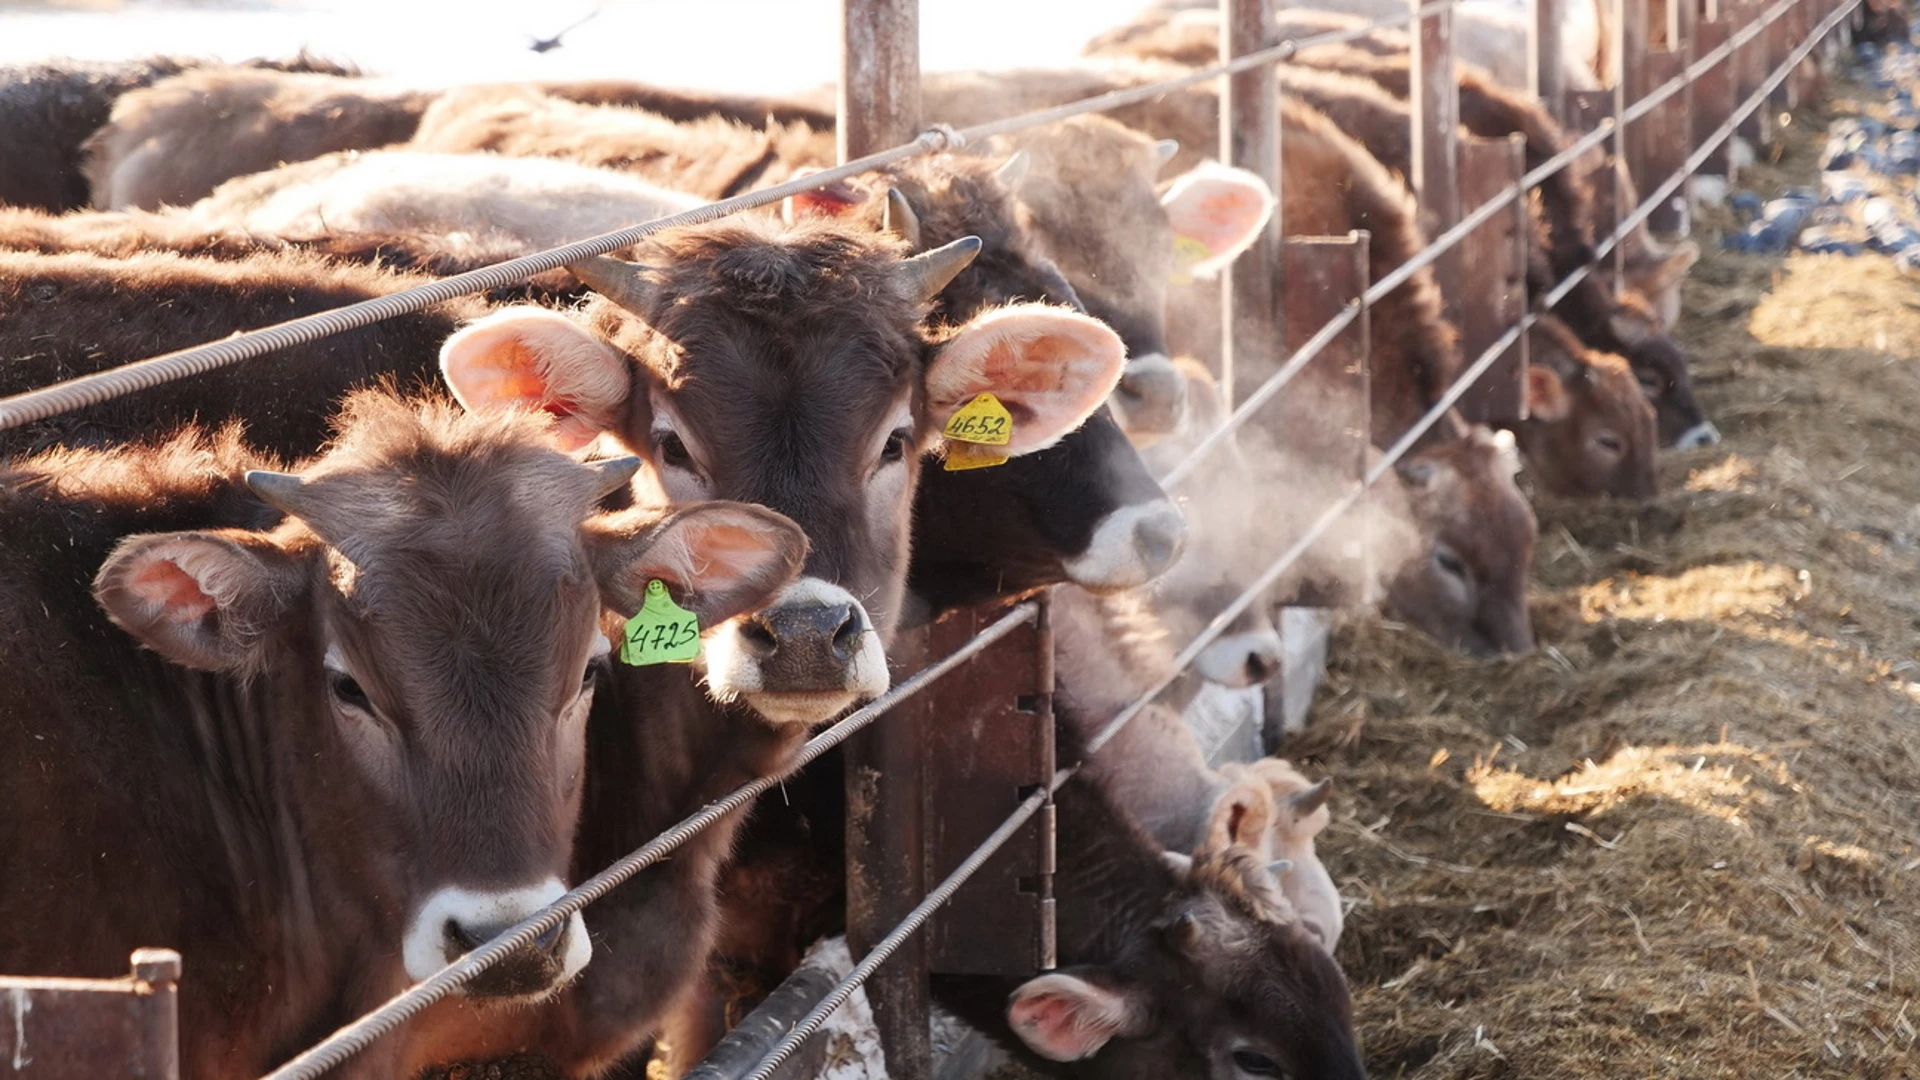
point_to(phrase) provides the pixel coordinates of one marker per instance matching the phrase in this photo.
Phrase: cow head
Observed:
(1589, 430)
(425, 630)
(1468, 588)
(1084, 510)
(1660, 365)
(1219, 981)
(1096, 207)
(788, 366)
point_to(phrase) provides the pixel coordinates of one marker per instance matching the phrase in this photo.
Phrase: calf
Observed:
(318, 734)
(1190, 967)
(1589, 430)
(175, 141)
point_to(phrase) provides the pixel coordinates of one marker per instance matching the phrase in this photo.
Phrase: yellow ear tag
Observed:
(662, 632)
(1187, 254)
(983, 420)
(964, 456)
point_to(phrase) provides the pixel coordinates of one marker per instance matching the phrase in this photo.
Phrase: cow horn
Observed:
(930, 271)
(1164, 150)
(1014, 170)
(614, 474)
(617, 280)
(900, 220)
(1313, 798)
(282, 491)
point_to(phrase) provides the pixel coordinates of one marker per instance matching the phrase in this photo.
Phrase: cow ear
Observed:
(206, 601)
(830, 201)
(717, 559)
(531, 358)
(1069, 1015)
(1217, 213)
(1659, 274)
(1049, 367)
(1240, 817)
(1546, 395)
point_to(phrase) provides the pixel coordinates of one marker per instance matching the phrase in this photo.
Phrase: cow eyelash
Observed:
(895, 448)
(1256, 1064)
(348, 692)
(673, 452)
(590, 678)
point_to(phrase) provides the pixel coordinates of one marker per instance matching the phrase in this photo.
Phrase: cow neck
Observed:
(657, 750)
(1110, 875)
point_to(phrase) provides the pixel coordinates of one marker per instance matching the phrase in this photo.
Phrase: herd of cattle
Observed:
(321, 678)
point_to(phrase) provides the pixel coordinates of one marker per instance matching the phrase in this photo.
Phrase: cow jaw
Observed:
(802, 659)
(455, 920)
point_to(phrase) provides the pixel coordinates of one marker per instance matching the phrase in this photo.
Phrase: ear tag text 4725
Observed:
(662, 632)
(979, 423)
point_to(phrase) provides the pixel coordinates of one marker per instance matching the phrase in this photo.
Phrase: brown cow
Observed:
(175, 141)
(419, 614)
(1589, 429)
(47, 110)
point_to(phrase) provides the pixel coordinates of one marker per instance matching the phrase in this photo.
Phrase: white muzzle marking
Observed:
(425, 950)
(1701, 434)
(1134, 545)
(734, 670)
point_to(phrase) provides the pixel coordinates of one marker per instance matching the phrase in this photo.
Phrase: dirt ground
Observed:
(1680, 839)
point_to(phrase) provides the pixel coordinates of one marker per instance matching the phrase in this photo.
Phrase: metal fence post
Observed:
(1250, 139)
(1434, 97)
(1493, 278)
(879, 107)
(1546, 75)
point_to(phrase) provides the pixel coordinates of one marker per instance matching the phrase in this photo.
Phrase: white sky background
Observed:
(746, 45)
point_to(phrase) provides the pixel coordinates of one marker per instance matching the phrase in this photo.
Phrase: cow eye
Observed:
(347, 692)
(1652, 384)
(590, 678)
(1609, 442)
(1255, 1064)
(673, 452)
(1450, 563)
(895, 448)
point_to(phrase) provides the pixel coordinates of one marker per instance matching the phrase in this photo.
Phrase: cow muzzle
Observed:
(801, 660)
(455, 921)
(1131, 547)
(1700, 434)
(1151, 400)
(1248, 658)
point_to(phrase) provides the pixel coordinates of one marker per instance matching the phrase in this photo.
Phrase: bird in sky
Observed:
(548, 44)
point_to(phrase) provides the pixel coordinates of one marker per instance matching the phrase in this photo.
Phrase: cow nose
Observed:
(1261, 667)
(1701, 434)
(816, 637)
(1152, 397)
(1158, 537)
(462, 938)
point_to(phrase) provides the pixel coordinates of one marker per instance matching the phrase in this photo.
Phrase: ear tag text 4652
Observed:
(662, 632)
(979, 423)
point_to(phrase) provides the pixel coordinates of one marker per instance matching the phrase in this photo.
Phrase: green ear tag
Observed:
(662, 633)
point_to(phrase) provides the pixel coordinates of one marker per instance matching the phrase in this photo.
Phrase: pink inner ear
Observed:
(830, 201)
(1217, 214)
(1048, 1022)
(172, 590)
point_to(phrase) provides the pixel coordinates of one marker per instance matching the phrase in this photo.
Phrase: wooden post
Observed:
(1546, 77)
(1586, 110)
(1493, 279)
(1250, 139)
(1712, 92)
(1435, 103)
(1749, 73)
(879, 106)
(1663, 137)
(80, 1029)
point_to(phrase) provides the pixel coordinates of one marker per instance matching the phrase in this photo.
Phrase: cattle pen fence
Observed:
(1671, 112)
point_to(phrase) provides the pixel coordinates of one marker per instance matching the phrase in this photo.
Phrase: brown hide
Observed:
(173, 142)
(74, 314)
(1590, 431)
(712, 157)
